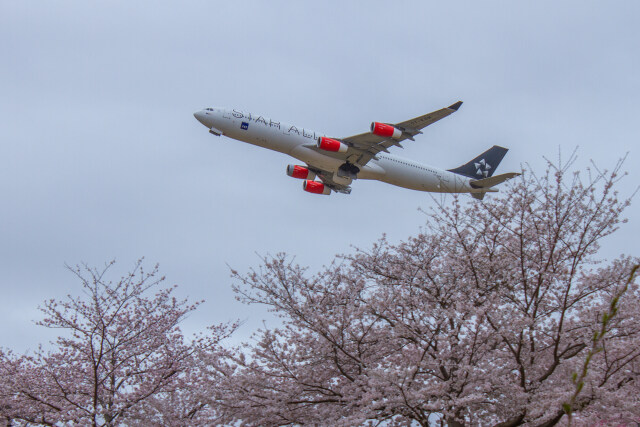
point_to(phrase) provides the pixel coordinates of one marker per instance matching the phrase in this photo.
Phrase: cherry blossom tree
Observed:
(499, 313)
(121, 358)
(484, 318)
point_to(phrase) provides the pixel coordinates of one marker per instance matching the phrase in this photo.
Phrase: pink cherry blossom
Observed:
(482, 319)
(120, 359)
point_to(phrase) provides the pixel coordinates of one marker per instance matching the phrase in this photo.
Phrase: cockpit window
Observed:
(208, 109)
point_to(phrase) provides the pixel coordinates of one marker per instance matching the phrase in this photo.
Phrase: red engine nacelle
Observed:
(329, 144)
(315, 187)
(300, 172)
(388, 131)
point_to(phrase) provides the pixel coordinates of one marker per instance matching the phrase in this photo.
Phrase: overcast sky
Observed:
(101, 157)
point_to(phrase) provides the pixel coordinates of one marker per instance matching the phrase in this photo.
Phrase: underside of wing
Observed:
(365, 146)
(329, 180)
(421, 122)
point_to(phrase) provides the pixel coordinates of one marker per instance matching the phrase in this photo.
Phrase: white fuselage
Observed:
(297, 142)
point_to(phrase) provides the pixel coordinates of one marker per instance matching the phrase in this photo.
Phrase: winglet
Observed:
(455, 106)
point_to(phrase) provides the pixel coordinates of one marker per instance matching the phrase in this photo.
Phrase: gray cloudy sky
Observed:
(101, 158)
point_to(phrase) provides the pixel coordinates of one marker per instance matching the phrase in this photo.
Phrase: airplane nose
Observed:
(199, 115)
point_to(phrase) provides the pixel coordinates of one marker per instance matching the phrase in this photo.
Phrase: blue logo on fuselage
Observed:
(244, 125)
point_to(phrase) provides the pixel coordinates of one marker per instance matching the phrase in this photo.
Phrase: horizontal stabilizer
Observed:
(492, 180)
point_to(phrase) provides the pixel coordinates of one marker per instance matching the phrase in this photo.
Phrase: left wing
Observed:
(327, 179)
(365, 146)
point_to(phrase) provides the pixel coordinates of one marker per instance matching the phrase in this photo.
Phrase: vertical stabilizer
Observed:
(483, 165)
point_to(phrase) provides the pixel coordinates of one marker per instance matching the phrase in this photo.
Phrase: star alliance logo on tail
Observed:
(482, 168)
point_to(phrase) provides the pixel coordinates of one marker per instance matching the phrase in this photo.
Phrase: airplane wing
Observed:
(327, 179)
(365, 146)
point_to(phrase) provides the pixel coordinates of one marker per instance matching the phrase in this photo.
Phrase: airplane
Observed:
(339, 161)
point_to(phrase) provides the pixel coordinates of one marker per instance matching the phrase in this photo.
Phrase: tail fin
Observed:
(483, 165)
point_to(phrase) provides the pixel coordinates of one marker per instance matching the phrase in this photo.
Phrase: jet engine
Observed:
(388, 131)
(300, 172)
(329, 144)
(315, 187)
